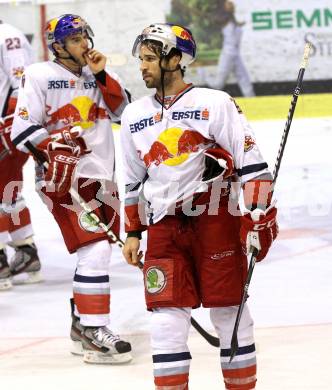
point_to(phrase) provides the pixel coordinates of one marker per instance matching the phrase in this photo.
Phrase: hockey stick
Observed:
(214, 341)
(5, 118)
(296, 93)
(3, 127)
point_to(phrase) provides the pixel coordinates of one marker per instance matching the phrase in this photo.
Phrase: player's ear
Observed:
(173, 60)
(58, 48)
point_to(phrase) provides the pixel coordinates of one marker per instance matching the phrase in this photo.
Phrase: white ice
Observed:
(290, 293)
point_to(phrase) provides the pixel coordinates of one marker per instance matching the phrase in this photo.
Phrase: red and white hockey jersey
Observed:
(52, 97)
(15, 54)
(167, 155)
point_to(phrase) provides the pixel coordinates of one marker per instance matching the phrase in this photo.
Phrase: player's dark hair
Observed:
(156, 47)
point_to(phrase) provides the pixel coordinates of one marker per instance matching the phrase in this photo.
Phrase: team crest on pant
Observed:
(155, 280)
(87, 223)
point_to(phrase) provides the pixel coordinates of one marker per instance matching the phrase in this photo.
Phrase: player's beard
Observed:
(155, 81)
(152, 82)
(80, 60)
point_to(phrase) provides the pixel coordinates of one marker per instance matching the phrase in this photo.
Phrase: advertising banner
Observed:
(257, 44)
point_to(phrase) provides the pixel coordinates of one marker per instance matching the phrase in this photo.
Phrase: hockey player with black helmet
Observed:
(184, 148)
(65, 111)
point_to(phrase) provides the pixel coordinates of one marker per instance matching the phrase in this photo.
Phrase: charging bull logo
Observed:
(173, 147)
(23, 113)
(77, 22)
(249, 143)
(18, 72)
(81, 111)
(180, 32)
(51, 25)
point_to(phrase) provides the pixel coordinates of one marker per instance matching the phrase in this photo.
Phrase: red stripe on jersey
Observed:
(92, 304)
(133, 222)
(112, 93)
(172, 382)
(23, 218)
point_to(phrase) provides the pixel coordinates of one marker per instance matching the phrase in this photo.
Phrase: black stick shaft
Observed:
(291, 111)
(296, 93)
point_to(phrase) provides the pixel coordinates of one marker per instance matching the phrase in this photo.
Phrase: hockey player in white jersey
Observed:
(15, 223)
(65, 110)
(184, 148)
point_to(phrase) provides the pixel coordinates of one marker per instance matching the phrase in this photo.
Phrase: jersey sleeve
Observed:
(114, 94)
(29, 114)
(16, 55)
(232, 131)
(134, 174)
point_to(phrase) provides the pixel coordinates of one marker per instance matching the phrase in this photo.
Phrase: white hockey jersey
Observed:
(52, 97)
(15, 54)
(167, 155)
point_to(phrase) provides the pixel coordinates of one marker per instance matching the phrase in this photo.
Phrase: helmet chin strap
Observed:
(70, 57)
(162, 80)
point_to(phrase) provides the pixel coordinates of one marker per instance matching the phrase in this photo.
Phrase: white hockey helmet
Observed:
(170, 36)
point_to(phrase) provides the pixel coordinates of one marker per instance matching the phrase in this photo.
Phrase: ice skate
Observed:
(101, 346)
(5, 275)
(75, 333)
(26, 261)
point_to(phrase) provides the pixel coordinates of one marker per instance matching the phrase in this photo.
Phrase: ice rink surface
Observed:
(290, 293)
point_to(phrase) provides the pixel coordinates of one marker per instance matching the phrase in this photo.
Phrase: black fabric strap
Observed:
(101, 77)
(136, 234)
(251, 169)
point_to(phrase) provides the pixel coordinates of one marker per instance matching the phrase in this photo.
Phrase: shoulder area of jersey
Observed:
(39, 69)
(9, 31)
(138, 106)
(210, 93)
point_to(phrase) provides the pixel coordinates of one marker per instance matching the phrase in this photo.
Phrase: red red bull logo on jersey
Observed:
(18, 72)
(23, 113)
(174, 146)
(81, 111)
(249, 143)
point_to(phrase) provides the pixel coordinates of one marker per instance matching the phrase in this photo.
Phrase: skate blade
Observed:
(95, 357)
(28, 278)
(76, 348)
(5, 284)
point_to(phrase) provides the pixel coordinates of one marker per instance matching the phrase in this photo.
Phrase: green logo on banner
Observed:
(290, 19)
